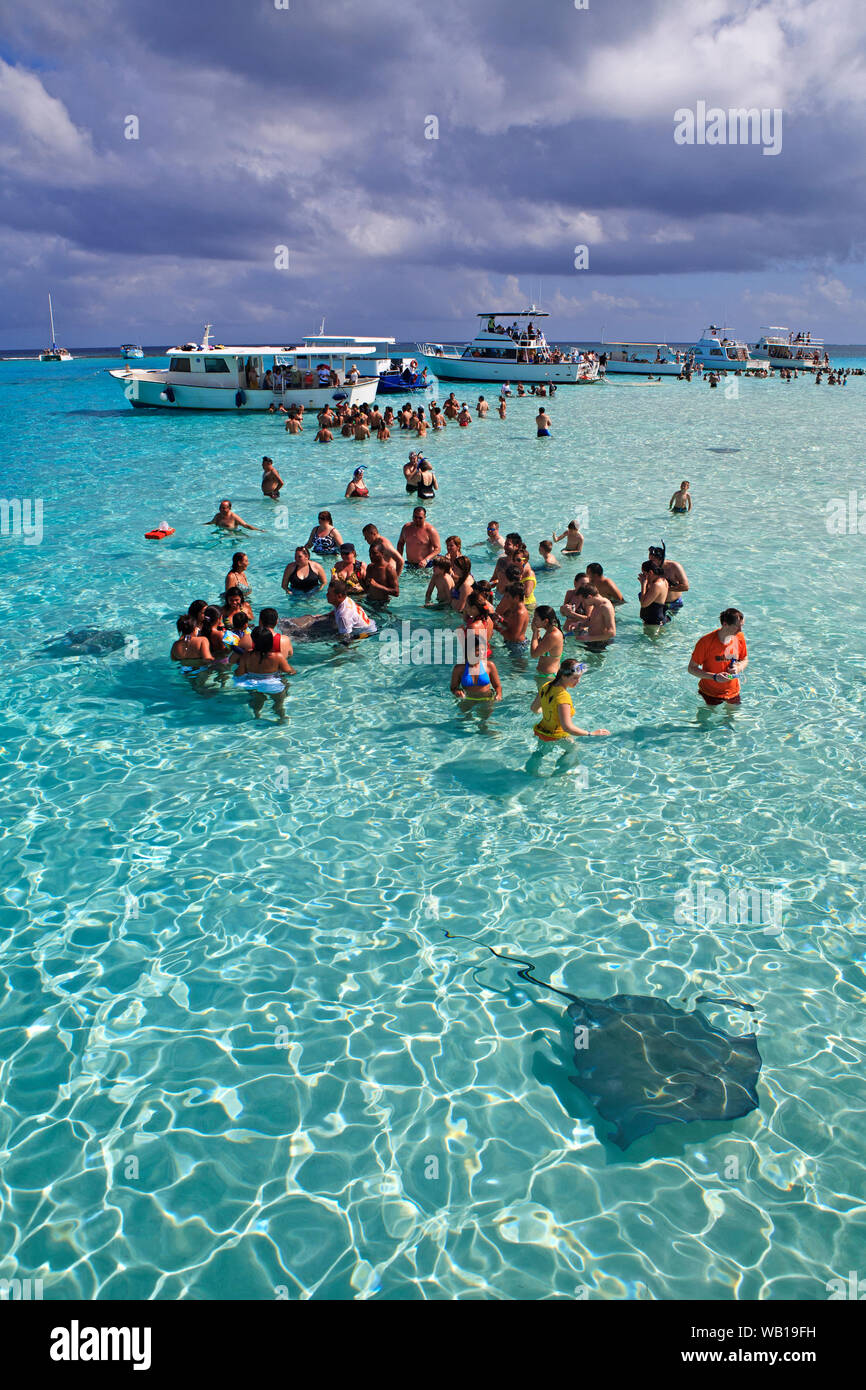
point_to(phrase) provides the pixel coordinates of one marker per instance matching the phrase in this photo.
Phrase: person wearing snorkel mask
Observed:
(674, 573)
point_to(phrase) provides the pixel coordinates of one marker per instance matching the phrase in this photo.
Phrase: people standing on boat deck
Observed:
(237, 575)
(573, 537)
(381, 582)
(681, 500)
(271, 480)
(545, 550)
(653, 594)
(353, 376)
(556, 707)
(719, 659)
(325, 539)
(542, 423)
(419, 539)
(482, 408)
(227, 520)
(546, 640)
(674, 574)
(595, 575)
(371, 536)
(597, 629)
(357, 487)
(302, 575)
(441, 581)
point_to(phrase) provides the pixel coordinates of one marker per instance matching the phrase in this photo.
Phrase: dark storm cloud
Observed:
(305, 127)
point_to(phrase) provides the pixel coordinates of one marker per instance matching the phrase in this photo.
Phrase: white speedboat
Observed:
(798, 351)
(722, 353)
(212, 376)
(515, 351)
(54, 353)
(640, 359)
(131, 350)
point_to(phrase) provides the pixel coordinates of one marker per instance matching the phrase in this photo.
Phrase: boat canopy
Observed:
(336, 349)
(511, 314)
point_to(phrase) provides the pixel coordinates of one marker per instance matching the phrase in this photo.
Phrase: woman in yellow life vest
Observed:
(554, 703)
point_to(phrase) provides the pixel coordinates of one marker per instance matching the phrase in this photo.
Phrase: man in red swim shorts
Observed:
(719, 659)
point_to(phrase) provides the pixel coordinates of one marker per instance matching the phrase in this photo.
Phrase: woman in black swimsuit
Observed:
(654, 590)
(302, 575)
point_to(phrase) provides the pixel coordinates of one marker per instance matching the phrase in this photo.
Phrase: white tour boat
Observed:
(722, 354)
(54, 353)
(641, 359)
(131, 350)
(798, 351)
(398, 374)
(515, 351)
(212, 376)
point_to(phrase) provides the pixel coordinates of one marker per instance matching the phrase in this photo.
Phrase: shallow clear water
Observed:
(185, 889)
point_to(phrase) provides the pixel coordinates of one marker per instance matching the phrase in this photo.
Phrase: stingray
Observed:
(720, 450)
(87, 641)
(316, 627)
(643, 1062)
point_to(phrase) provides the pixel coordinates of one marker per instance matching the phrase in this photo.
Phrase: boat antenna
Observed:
(322, 329)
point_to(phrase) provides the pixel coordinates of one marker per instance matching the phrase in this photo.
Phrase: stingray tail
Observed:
(526, 967)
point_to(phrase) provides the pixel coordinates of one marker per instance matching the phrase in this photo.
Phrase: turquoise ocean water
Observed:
(239, 1056)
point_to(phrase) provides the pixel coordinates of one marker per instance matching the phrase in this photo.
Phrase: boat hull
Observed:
(674, 369)
(148, 391)
(488, 369)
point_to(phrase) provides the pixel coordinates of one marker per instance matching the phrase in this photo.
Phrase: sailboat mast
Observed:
(51, 317)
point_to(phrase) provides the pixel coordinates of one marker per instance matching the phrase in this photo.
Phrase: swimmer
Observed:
(351, 621)
(349, 569)
(464, 418)
(294, 425)
(259, 672)
(410, 472)
(674, 574)
(237, 575)
(546, 640)
(381, 582)
(453, 548)
(302, 575)
(512, 615)
(234, 602)
(464, 583)
(271, 480)
(573, 537)
(427, 481)
(653, 595)
(281, 643)
(190, 648)
(441, 581)
(482, 408)
(606, 587)
(494, 537)
(361, 429)
(371, 536)
(719, 659)
(681, 500)
(542, 423)
(240, 631)
(325, 539)
(357, 487)
(501, 407)
(572, 604)
(227, 520)
(419, 539)
(383, 432)
(556, 707)
(545, 550)
(324, 435)
(597, 629)
(476, 678)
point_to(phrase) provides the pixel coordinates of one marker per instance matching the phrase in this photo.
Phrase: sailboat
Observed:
(54, 353)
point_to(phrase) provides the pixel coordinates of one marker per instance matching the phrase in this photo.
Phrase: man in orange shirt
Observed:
(719, 659)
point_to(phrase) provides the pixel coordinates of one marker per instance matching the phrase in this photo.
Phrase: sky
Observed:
(308, 128)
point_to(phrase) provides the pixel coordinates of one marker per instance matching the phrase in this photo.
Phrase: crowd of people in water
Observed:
(224, 642)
